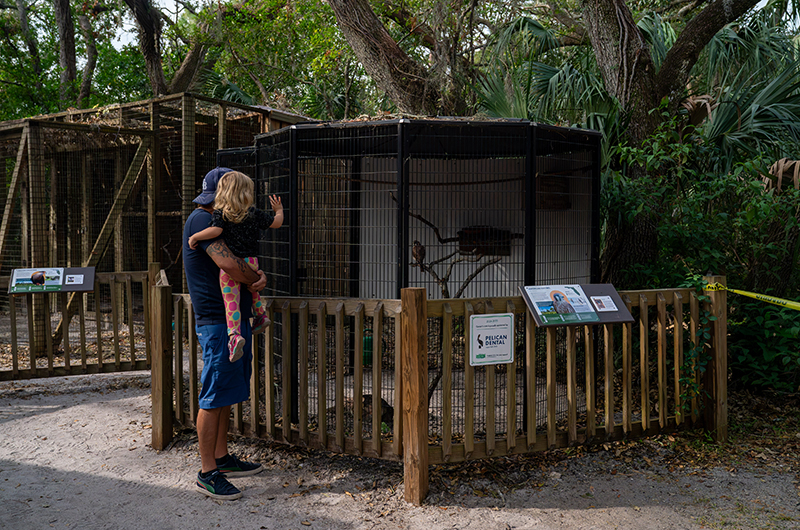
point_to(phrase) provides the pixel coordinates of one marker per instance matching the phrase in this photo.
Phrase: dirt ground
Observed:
(74, 453)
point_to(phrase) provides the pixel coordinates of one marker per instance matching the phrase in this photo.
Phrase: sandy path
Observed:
(74, 453)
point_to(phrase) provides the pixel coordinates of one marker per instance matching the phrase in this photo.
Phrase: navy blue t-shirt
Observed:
(202, 275)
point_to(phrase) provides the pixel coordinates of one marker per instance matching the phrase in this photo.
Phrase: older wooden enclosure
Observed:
(109, 188)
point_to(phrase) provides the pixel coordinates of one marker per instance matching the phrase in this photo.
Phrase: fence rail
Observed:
(391, 379)
(105, 330)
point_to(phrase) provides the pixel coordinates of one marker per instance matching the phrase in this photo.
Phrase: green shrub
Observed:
(763, 346)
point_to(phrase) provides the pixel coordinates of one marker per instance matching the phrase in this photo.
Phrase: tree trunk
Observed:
(91, 61)
(623, 57)
(30, 42)
(66, 51)
(148, 19)
(187, 72)
(405, 81)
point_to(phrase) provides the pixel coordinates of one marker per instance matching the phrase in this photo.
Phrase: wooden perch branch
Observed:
(429, 224)
(474, 274)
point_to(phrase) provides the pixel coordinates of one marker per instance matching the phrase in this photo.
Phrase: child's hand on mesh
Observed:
(276, 203)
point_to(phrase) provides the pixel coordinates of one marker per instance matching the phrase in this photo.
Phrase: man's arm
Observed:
(233, 265)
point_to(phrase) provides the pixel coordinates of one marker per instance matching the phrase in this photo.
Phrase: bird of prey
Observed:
(561, 304)
(418, 253)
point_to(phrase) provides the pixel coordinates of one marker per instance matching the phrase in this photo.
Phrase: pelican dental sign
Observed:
(491, 339)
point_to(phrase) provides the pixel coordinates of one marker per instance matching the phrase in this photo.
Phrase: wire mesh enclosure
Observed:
(463, 208)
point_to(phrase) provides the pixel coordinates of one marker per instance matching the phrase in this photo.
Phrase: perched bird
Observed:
(561, 304)
(418, 253)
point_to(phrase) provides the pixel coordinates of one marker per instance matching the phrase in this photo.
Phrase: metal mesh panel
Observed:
(466, 204)
(67, 185)
(15, 253)
(273, 178)
(82, 147)
(347, 235)
(566, 207)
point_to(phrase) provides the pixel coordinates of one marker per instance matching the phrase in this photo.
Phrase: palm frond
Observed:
(659, 34)
(755, 117)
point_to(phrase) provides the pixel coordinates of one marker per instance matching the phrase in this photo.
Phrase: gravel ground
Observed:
(75, 454)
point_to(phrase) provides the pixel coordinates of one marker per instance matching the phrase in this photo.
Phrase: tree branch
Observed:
(91, 61)
(672, 78)
(185, 75)
(433, 227)
(251, 75)
(401, 16)
(474, 274)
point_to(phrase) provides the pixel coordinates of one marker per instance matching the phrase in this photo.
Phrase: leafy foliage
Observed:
(719, 222)
(763, 346)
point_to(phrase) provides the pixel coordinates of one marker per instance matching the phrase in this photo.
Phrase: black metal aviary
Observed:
(491, 205)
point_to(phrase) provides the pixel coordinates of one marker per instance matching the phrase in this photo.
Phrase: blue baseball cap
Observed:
(210, 186)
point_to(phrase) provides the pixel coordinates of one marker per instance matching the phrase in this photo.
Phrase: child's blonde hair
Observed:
(234, 196)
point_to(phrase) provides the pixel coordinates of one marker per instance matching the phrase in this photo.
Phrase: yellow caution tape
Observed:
(764, 298)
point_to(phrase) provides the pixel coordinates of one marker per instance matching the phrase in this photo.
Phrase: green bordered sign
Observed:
(492, 339)
(569, 305)
(51, 280)
(554, 305)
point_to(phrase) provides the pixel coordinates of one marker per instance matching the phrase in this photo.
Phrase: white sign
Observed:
(492, 339)
(604, 303)
(74, 279)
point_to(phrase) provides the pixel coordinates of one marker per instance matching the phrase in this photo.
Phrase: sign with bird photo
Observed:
(51, 280)
(559, 304)
(492, 339)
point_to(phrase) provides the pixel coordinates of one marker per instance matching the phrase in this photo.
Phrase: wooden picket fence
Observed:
(105, 330)
(313, 384)
(408, 393)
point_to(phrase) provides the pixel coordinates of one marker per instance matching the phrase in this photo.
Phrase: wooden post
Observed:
(39, 231)
(161, 371)
(153, 180)
(716, 413)
(414, 326)
(222, 121)
(188, 177)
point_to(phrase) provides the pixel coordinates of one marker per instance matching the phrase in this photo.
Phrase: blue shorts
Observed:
(222, 382)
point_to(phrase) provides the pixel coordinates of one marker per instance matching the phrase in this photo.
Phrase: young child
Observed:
(240, 222)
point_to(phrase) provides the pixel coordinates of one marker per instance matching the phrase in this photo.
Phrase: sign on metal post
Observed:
(492, 339)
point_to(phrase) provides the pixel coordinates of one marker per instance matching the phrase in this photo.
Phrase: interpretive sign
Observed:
(51, 280)
(560, 305)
